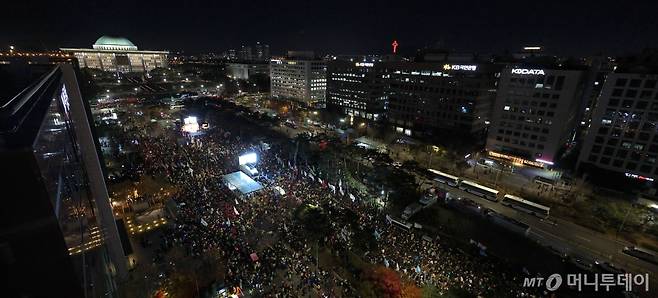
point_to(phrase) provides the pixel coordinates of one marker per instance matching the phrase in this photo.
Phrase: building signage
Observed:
(365, 64)
(635, 176)
(64, 97)
(460, 67)
(525, 71)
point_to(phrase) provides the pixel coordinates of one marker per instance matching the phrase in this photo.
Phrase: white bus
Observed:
(526, 206)
(445, 178)
(479, 190)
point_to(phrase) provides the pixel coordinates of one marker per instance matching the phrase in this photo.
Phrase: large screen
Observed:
(247, 158)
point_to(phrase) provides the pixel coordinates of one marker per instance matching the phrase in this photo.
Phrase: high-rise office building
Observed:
(536, 113)
(429, 98)
(243, 70)
(118, 54)
(245, 53)
(356, 88)
(258, 52)
(58, 236)
(622, 137)
(300, 76)
(261, 52)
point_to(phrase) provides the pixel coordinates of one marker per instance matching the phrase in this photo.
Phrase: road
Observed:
(564, 236)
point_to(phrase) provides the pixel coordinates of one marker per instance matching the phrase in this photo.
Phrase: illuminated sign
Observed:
(364, 64)
(635, 176)
(64, 97)
(460, 67)
(395, 46)
(525, 71)
(544, 161)
(516, 160)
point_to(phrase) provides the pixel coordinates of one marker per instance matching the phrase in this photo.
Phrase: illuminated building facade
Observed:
(432, 98)
(535, 113)
(118, 54)
(356, 88)
(244, 71)
(622, 137)
(300, 77)
(58, 235)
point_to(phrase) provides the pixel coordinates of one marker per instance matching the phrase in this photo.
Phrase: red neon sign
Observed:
(395, 46)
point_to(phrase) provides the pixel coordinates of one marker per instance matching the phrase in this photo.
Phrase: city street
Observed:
(562, 235)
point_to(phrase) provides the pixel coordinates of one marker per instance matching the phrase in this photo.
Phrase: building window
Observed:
(631, 93)
(596, 149)
(592, 158)
(617, 163)
(631, 166)
(621, 82)
(604, 160)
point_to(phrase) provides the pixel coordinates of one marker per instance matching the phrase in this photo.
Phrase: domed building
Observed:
(118, 54)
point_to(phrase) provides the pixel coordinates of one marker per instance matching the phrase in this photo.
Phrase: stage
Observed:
(241, 182)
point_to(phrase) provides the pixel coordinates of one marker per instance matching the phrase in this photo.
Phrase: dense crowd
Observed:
(267, 251)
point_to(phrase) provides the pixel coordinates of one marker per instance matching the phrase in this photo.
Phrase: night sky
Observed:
(337, 27)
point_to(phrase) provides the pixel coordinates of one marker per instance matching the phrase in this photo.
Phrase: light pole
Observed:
(433, 149)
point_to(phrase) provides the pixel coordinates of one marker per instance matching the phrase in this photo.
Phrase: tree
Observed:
(430, 291)
(410, 290)
(380, 281)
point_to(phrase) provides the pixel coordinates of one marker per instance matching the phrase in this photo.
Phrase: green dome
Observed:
(113, 41)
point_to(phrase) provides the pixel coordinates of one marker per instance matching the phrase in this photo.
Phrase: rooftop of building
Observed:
(25, 95)
(107, 40)
(644, 63)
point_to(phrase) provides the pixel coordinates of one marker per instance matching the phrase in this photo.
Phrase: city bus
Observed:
(479, 190)
(641, 254)
(445, 178)
(521, 204)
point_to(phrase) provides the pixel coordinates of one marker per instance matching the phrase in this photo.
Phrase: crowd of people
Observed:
(267, 250)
